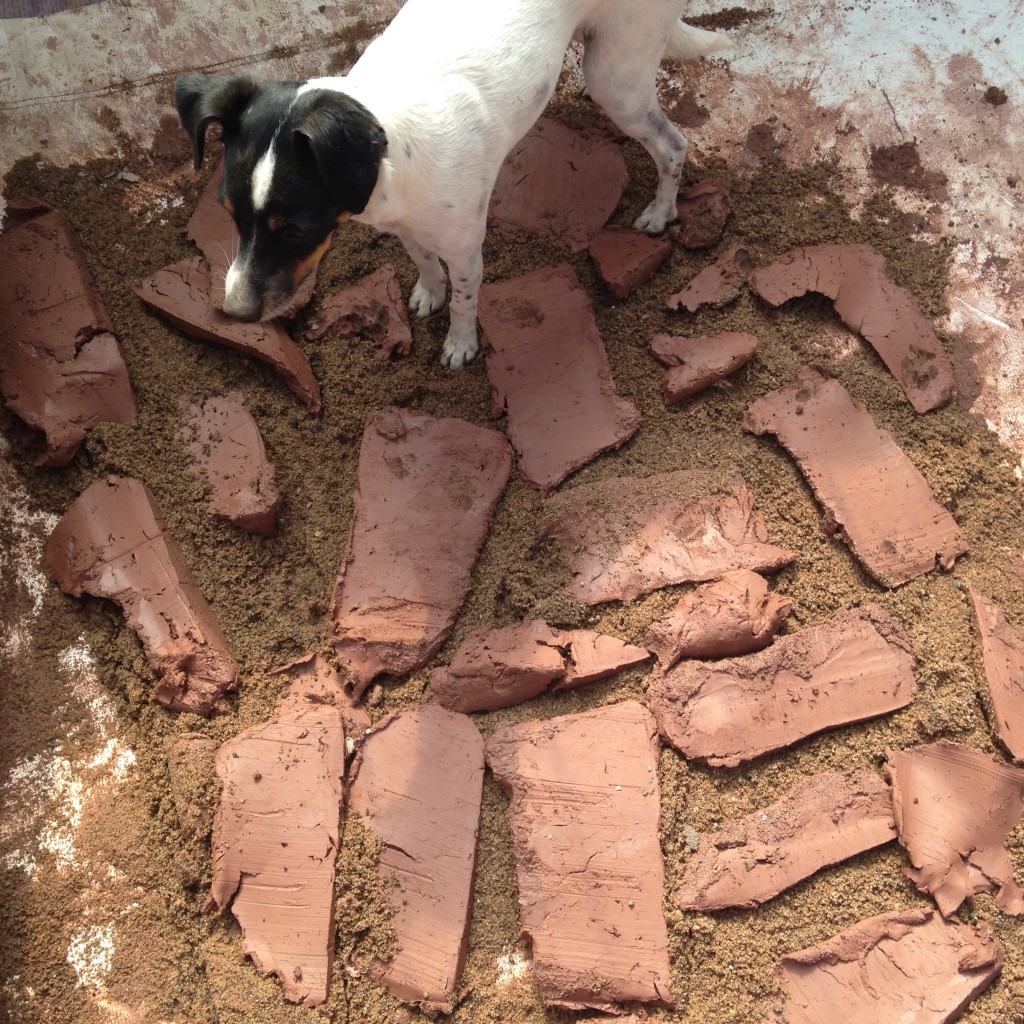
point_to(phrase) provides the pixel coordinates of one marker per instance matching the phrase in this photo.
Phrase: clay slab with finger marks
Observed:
(628, 536)
(113, 542)
(909, 966)
(716, 284)
(954, 809)
(627, 259)
(875, 498)
(855, 666)
(585, 811)
(425, 494)
(417, 785)
(698, 362)
(820, 822)
(887, 316)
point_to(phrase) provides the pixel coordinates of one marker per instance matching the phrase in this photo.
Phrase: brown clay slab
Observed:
(698, 362)
(735, 615)
(954, 809)
(855, 666)
(627, 259)
(702, 211)
(1002, 649)
(276, 837)
(113, 542)
(887, 316)
(820, 822)
(909, 966)
(181, 293)
(227, 451)
(876, 499)
(497, 668)
(558, 185)
(417, 784)
(426, 492)
(628, 536)
(549, 374)
(61, 368)
(585, 810)
(717, 284)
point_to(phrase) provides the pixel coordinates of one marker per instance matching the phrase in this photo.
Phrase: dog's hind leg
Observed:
(431, 289)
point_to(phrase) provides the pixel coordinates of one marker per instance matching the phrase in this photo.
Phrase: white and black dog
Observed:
(412, 139)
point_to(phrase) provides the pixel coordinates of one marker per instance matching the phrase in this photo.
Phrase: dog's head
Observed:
(297, 163)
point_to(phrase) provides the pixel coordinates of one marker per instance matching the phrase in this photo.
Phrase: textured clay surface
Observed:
(627, 259)
(703, 211)
(855, 666)
(718, 283)
(697, 363)
(585, 810)
(875, 497)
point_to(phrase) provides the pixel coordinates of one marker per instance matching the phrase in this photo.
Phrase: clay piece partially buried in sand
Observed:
(891, 969)
(558, 185)
(717, 284)
(627, 259)
(425, 494)
(823, 821)
(628, 536)
(887, 316)
(1002, 649)
(61, 368)
(113, 542)
(855, 666)
(276, 837)
(735, 615)
(549, 374)
(954, 809)
(498, 668)
(181, 293)
(876, 499)
(417, 785)
(373, 308)
(227, 452)
(585, 811)
(702, 211)
(697, 363)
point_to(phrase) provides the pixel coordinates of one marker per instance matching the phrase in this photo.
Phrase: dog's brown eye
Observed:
(274, 222)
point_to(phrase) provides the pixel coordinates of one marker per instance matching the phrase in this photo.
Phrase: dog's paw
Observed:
(459, 350)
(652, 220)
(423, 301)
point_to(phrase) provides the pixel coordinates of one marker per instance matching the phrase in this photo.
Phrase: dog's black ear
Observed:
(201, 99)
(348, 144)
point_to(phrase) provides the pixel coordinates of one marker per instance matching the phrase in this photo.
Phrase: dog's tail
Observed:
(688, 42)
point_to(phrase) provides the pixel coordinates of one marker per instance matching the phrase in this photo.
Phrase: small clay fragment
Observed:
(822, 821)
(702, 211)
(227, 451)
(61, 368)
(954, 808)
(374, 308)
(112, 542)
(276, 838)
(627, 259)
(585, 810)
(497, 668)
(887, 316)
(426, 491)
(181, 292)
(628, 536)
(855, 666)
(736, 615)
(558, 185)
(549, 374)
(891, 969)
(1002, 648)
(697, 363)
(718, 283)
(417, 785)
(876, 499)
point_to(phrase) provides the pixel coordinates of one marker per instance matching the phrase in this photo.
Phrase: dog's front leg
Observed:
(462, 344)
(430, 290)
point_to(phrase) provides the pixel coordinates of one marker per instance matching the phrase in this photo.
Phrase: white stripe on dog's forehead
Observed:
(262, 178)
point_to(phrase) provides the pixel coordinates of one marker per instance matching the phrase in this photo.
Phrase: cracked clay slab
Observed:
(501, 667)
(717, 284)
(695, 363)
(820, 822)
(549, 374)
(627, 259)
(61, 368)
(909, 966)
(417, 784)
(855, 666)
(276, 837)
(585, 811)
(875, 498)
(425, 495)
(113, 542)
(954, 809)
(628, 536)
(887, 316)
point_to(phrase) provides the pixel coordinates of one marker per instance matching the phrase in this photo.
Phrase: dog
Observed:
(411, 140)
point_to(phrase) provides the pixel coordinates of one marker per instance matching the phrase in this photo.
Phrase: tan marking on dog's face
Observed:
(344, 217)
(229, 206)
(311, 262)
